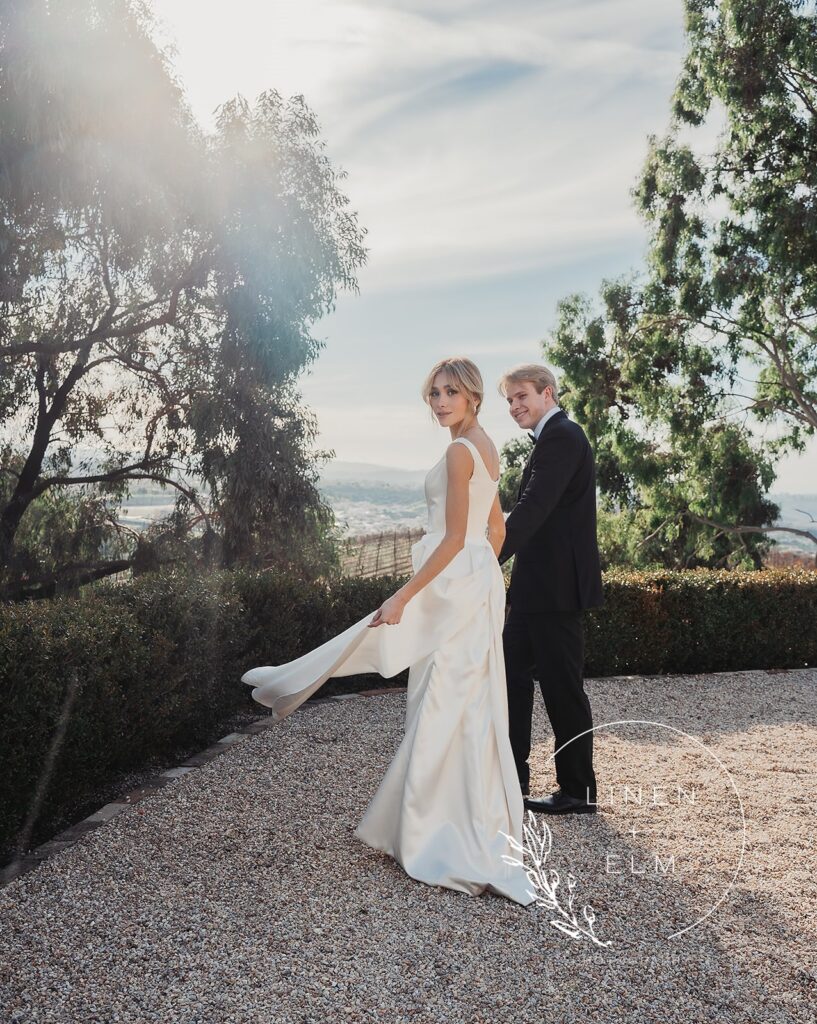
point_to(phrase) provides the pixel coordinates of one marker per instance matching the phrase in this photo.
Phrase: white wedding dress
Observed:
(451, 789)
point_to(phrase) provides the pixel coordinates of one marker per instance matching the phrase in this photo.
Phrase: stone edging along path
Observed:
(71, 835)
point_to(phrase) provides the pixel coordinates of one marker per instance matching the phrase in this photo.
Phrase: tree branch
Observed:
(106, 328)
(46, 585)
(121, 472)
(753, 529)
(655, 532)
(124, 473)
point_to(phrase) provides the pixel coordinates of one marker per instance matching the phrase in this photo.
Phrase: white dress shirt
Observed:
(537, 430)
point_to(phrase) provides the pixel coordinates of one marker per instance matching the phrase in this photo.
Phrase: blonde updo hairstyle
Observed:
(462, 373)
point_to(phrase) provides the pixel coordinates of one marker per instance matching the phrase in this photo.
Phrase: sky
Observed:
(490, 149)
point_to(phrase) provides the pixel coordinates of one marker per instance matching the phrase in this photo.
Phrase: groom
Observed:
(556, 574)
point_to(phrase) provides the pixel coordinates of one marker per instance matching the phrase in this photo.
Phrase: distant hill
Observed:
(365, 472)
(368, 498)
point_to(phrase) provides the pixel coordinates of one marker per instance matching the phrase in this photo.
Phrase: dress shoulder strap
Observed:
(479, 461)
(472, 448)
(471, 445)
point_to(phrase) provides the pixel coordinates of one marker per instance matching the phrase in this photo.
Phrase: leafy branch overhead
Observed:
(697, 375)
(158, 291)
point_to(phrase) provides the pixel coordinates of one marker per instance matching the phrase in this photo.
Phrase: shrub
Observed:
(131, 673)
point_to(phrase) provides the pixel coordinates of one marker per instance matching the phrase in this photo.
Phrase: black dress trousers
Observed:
(551, 532)
(549, 646)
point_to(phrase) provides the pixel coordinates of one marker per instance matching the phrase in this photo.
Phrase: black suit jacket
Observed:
(552, 528)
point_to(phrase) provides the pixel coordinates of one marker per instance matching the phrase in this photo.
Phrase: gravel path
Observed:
(238, 893)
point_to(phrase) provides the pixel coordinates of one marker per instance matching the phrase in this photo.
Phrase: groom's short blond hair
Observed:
(540, 376)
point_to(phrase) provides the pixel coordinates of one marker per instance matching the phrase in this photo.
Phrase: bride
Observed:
(452, 789)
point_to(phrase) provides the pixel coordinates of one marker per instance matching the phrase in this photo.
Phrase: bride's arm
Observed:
(460, 465)
(496, 526)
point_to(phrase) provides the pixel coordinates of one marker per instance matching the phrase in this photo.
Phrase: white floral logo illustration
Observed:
(550, 893)
(673, 833)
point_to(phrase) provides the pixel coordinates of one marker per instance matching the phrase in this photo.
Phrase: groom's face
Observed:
(526, 405)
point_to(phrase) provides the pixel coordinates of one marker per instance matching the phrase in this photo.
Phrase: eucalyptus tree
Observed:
(159, 287)
(678, 371)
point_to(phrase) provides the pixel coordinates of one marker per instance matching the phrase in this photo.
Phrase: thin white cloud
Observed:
(482, 140)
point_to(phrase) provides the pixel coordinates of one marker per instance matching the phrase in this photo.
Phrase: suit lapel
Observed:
(560, 415)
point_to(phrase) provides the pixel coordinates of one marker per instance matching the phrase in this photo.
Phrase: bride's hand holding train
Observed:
(390, 612)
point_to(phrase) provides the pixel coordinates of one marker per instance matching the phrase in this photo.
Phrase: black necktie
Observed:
(532, 436)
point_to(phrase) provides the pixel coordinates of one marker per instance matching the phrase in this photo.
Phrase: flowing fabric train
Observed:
(451, 789)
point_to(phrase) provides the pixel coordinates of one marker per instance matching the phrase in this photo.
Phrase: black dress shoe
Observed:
(559, 803)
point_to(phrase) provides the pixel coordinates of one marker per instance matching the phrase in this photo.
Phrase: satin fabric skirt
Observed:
(451, 790)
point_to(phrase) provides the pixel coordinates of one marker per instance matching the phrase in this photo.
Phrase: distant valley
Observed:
(799, 511)
(369, 498)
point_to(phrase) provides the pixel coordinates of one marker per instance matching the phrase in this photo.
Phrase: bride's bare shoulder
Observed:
(458, 454)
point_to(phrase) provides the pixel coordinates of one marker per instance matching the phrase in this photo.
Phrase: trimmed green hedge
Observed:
(703, 620)
(135, 672)
(139, 671)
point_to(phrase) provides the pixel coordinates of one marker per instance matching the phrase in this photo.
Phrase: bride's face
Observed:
(449, 403)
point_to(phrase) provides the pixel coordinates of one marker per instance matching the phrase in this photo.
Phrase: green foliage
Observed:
(657, 372)
(166, 281)
(157, 665)
(698, 621)
(138, 671)
(513, 456)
